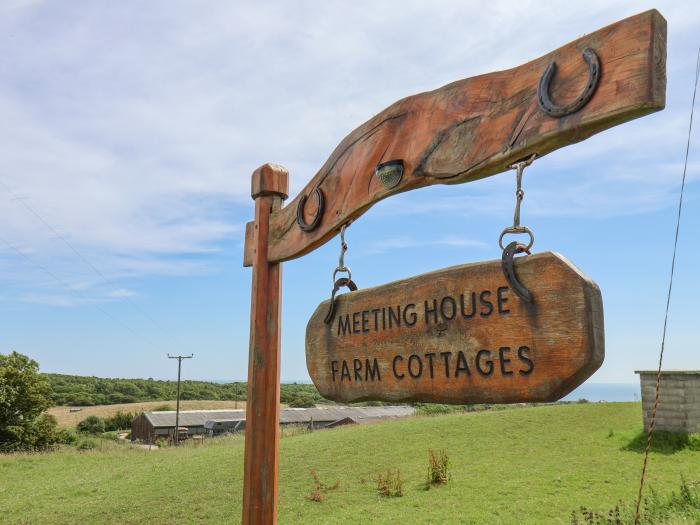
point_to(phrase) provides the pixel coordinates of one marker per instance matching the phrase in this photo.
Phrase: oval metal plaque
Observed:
(390, 173)
(461, 335)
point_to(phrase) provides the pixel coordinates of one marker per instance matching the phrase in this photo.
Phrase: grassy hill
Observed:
(519, 465)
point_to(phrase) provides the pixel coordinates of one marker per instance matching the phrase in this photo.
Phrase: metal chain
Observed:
(341, 260)
(343, 282)
(657, 391)
(519, 168)
(519, 193)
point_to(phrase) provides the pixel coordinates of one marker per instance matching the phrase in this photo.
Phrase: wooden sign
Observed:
(461, 335)
(469, 129)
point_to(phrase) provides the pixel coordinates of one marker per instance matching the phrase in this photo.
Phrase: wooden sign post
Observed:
(466, 130)
(269, 188)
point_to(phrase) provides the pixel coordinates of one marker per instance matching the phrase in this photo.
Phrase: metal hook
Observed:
(508, 266)
(556, 111)
(307, 227)
(343, 281)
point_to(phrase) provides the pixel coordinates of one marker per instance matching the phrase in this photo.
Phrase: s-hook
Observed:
(509, 252)
(346, 282)
(509, 270)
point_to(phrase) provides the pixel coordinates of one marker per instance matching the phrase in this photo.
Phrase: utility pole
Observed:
(177, 402)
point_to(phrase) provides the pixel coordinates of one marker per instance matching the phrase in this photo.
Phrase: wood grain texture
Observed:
(261, 460)
(270, 179)
(476, 127)
(553, 344)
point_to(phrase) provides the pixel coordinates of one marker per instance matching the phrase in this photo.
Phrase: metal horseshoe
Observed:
(339, 283)
(509, 270)
(307, 227)
(556, 111)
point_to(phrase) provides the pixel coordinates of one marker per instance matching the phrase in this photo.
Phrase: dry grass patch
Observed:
(66, 418)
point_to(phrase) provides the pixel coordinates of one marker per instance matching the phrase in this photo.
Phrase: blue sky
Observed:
(130, 131)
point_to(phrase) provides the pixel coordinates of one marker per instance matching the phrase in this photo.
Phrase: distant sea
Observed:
(605, 392)
(589, 391)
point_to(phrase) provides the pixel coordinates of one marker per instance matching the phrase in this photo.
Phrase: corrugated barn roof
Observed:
(191, 418)
(195, 418)
(303, 415)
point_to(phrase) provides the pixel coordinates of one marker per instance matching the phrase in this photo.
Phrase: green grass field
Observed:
(519, 465)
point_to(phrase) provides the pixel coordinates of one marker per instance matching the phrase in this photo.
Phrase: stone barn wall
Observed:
(679, 402)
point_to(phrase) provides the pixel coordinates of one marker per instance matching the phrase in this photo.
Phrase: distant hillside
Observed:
(89, 390)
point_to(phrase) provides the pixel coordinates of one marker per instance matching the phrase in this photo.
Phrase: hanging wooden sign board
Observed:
(469, 129)
(461, 335)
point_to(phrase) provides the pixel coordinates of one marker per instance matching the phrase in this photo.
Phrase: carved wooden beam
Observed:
(476, 127)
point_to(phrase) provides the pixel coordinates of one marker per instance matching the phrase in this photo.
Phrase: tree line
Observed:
(24, 397)
(88, 391)
(26, 393)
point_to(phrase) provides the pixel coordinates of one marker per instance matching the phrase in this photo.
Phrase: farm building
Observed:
(679, 400)
(149, 426)
(316, 417)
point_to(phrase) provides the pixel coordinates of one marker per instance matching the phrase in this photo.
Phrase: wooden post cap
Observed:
(270, 179)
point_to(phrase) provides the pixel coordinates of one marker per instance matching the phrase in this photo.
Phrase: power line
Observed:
(73, 292)
(657, 390)
(78, 254)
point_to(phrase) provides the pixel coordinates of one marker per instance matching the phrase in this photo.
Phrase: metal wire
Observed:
(81, 256)
(74, 292)
(650, 434)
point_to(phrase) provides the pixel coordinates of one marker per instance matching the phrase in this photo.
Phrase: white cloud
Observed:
(404, 241)
(52, 299)
(133, 130)
(121, 293)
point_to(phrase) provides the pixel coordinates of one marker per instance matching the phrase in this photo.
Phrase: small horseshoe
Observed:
(343, 281)
(556, 111)
(509, 270)
(307, 227)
